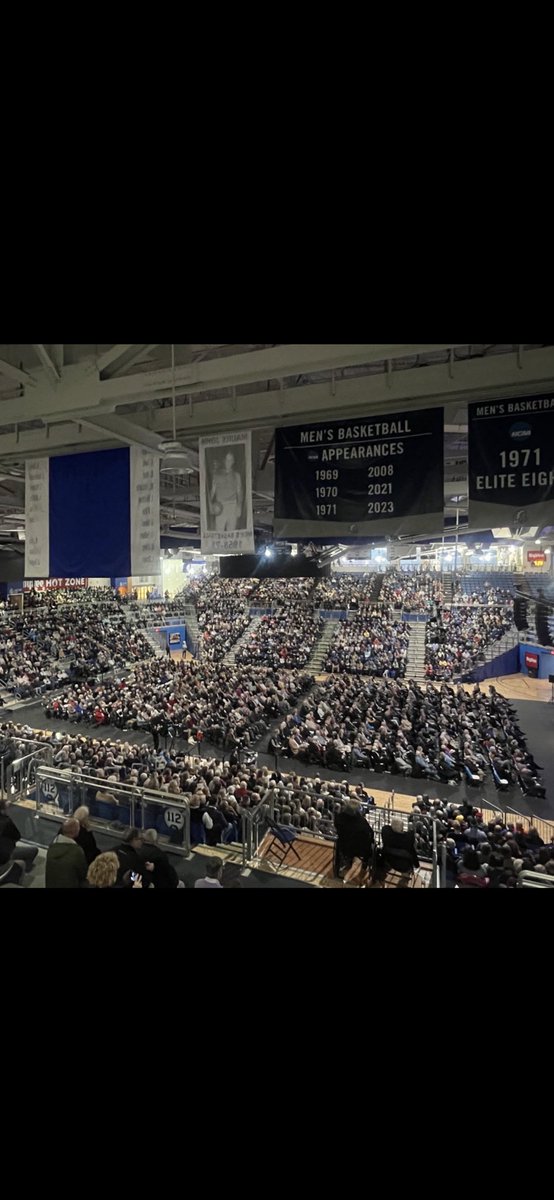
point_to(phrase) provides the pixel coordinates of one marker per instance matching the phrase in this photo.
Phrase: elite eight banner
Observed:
(93, 515)
(511, 462)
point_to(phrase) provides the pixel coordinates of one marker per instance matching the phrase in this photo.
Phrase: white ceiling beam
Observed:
(57, 357)
(123, 430)
(50, 367)
(81, 393)
(128, 360)
(259, 366)
(16, 374)
(472, 379)
(112, 356)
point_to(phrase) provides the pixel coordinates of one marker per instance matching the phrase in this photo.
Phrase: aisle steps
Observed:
(230, 657)
(321, 649)
(415, 666)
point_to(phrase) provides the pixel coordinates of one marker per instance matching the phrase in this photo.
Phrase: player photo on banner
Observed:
(226, 520)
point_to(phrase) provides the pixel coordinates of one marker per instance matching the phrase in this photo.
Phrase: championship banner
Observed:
(226, 520)
(364, 477)
(94, 515)
(511, 463)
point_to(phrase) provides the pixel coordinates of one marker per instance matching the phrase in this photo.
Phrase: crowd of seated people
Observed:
(222, 789)
(458, 639)
(224, 704)
(281, 593)
(223, 613)
(480, 853)
(373, 644)
(483, 592)
(287, 638)
(416, 591)
(342, 592)
(96, 637)
(397, 727)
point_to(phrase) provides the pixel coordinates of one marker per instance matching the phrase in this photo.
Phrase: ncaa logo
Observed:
(174, 818)
(520, 431)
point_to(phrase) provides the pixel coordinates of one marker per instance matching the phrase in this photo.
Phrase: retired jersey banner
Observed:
(364, 477)
(226, 519)
(94, 515)
(511, 462)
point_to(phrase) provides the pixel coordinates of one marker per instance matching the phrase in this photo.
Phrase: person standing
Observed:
(66, 865)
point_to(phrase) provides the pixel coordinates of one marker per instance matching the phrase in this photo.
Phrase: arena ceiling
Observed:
(63, 399)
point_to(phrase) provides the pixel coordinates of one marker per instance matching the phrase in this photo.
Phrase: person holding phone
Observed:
(131, 863)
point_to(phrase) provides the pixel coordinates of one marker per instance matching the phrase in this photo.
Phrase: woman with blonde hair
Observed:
(102, 873)
(86, 839)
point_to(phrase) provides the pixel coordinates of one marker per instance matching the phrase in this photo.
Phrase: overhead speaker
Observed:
(520, 614)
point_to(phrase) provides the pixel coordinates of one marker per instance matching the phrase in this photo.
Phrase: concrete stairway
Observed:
(230, 657)
(448, 588)
(415, 666)
(376, 587)
(495, 649)
(321, 648)
(190, 622)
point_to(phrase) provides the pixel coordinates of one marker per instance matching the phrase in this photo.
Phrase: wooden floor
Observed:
(518, 687)
(316, 866)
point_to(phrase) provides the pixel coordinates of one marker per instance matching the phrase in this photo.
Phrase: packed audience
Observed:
(96, 637)
(465, 592)
(479, 853)
(229, 705)
(389, 726)
(279, 593)
(223, 615)
(347, 591)
(374, 644)
(288, 638)
(416, 591)
(458, 639)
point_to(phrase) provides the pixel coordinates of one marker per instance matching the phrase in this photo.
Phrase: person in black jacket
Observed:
(354, 837)
(164, 874)
(10, 846)
(395, 840)
(131, 860)
(86, 839)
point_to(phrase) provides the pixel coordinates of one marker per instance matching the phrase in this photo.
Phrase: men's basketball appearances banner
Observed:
(93, 515)
(511, 462)
(373, 476)
(226, 519)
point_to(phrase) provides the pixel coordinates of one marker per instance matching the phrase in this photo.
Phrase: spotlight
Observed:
(268, 552)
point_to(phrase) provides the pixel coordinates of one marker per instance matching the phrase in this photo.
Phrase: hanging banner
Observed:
(37, 539)
(511, 462)
(145, 513)
(373, 476)
(226, 520)
(93, 515)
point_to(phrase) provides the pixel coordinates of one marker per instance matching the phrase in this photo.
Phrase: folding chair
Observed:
(399, 862)
(282, 843)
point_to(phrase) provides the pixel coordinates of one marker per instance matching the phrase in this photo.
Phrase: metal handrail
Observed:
(137, 798)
